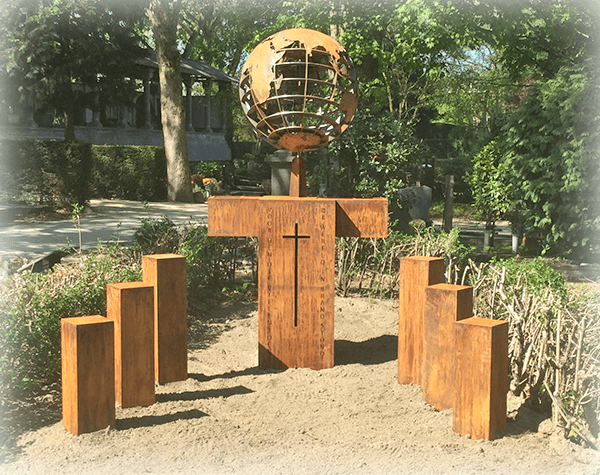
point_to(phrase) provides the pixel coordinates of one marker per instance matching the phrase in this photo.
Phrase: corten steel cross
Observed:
(296, 264)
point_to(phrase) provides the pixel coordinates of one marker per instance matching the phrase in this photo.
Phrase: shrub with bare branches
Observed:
(370, 266)
(554, 339)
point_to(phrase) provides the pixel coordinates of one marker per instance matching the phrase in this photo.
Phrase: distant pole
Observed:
(449, 205)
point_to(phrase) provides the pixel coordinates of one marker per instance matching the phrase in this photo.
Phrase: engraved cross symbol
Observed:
(296, 237)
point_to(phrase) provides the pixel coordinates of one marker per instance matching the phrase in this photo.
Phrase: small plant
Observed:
(76, 219)
(157, 236)
(489, 183)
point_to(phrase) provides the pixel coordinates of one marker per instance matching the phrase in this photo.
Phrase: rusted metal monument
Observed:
(299, 91)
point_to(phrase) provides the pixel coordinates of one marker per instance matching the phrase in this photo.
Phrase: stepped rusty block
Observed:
(444, 305)
(416, 273)
(88, 374)
(131, 307)
(481, 375)
(166, 272)
(296, 273)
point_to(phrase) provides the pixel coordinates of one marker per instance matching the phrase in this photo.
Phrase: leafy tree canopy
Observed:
(55, 43)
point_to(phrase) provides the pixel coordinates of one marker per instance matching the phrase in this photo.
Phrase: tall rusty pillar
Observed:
(167, 273)
(481, 377)
(416, 274)
(131, 306)
(444, 305)
(88, 374)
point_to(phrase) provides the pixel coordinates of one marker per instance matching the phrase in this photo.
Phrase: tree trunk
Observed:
(163, 17)
(69, 112)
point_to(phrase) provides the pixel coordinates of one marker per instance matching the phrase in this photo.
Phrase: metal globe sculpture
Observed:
(299, 90)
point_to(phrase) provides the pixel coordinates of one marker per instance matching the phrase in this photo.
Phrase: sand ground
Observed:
(231, 417)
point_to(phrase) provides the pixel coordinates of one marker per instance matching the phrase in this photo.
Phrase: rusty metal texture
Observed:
(444, 305)
(296, 266)
(416, 274)
(299, 90)
(480, 377)
(298, 178)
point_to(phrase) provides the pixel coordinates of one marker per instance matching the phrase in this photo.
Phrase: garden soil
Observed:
(231, 417)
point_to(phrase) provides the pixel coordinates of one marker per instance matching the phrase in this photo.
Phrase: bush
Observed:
(49, 173)
(60, 174)
(535, 274)
(552, 154)
(489, 184)
(129, 173)
(211, 261)
(157, 236)
(32, 305)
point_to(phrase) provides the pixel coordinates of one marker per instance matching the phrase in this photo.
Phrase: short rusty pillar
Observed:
(167, 273)
(88, 374)
(481, 374)
(444, 305)
(416, 273)
(131, 306)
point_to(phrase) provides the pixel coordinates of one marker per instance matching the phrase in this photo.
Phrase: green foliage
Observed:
(554, 168)
(63, 173)
(375, 157)
(209, 169)
(211, 261)
(129, 173)
(50, 173)
(535, 274)
(401, 50)
(54, 44)
(538, 37)
(489, 184)
(32, 306)
(157, 236)
(221, 31)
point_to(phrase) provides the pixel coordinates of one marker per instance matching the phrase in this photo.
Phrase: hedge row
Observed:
(59, 174)
(129, 173)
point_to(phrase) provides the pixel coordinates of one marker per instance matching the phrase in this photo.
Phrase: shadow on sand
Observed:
(369, 352)
(149, 421)
(196, 395)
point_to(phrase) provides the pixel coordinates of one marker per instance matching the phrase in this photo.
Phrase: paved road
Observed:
(106, 220)
(116, 220)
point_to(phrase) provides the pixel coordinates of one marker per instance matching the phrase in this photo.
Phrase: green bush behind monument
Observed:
(58, 174)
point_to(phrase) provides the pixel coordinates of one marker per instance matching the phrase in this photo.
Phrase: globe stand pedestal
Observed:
(281, 170)
(298, 177)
